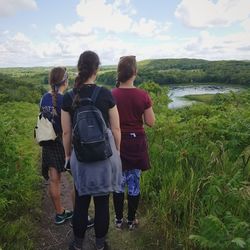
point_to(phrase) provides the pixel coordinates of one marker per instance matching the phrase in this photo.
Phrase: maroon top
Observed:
(131, 104)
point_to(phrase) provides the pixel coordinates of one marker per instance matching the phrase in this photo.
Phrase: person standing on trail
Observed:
(97, 178)
(135, 109)
(53, 154)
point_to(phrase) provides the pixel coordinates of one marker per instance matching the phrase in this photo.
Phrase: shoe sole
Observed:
(59, 223)
(88, 226)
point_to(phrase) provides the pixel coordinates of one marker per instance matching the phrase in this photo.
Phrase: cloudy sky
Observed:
(55, 32)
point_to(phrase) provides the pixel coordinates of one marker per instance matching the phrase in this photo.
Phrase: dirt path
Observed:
(53, 237)
(57, 237)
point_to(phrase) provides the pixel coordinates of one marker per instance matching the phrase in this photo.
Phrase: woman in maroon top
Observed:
(135, 109)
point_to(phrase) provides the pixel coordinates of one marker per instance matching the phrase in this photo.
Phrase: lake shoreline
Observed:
(185, 95)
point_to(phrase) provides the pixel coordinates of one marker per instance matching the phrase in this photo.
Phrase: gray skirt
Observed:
(97, 178)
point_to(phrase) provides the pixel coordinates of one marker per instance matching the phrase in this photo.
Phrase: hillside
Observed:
(161, 71)
(179, 71)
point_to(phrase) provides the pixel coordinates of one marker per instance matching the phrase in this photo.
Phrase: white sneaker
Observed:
(118, 223)
(132, 224)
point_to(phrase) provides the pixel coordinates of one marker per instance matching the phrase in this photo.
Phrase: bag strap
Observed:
(95, 94)
(54, 112)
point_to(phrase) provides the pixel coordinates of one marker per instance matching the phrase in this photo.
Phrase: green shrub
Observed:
(19, 178)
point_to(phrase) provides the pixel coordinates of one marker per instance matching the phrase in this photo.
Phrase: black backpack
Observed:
(90, 135)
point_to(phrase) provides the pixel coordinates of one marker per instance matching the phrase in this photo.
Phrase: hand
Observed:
(67, 165)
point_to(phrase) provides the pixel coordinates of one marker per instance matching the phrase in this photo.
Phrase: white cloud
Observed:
(207, 46)
(10, 7)
(115, 17)
(79, 28)
(149, 27)
(206, 13)
(99, 14)
(246, 25)
(110, 29)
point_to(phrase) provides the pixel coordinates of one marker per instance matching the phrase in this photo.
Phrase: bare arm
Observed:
(67, 133)
(115, 126)
(149, 117)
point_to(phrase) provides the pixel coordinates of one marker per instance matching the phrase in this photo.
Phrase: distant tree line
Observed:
(179, 71)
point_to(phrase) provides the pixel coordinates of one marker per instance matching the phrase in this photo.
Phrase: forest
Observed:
(197, 193)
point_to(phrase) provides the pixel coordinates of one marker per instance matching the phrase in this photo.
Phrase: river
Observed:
(177, 92)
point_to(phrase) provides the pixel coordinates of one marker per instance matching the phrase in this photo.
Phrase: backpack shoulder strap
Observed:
(95, 93)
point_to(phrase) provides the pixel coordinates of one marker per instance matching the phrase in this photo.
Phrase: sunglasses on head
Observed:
(65, 77)
(130, 57)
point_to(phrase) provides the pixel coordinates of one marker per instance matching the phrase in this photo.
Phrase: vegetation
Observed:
(179, 71)
(206, 98)
(197, 193)
(19, 179)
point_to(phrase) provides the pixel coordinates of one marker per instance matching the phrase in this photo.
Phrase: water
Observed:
(177, 93)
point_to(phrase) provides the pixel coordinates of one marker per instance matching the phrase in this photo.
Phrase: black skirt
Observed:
(53, 157)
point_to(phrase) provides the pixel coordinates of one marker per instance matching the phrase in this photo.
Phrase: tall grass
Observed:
(19, 195)
(197, 191)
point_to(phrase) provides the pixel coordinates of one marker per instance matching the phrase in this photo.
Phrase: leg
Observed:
(101, 219)
(133, 180)
(90, 220)
(80, 215)
(118, 199)
(55, 189)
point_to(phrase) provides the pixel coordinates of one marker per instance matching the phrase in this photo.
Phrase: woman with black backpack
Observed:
(95, 175)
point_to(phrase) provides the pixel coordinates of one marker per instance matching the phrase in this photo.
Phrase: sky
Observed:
(56, 32)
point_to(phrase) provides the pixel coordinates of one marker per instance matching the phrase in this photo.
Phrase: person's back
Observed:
(53, 153)
(91, 178)
(135, 110)
(131, 103)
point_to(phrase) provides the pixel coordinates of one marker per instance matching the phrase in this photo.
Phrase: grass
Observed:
(196, 195)
(205, 98)
(19, 177)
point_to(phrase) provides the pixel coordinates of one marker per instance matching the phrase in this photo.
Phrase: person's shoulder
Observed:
(45, 97)
(114, 91)
(141, 91)
(68, 94)
(104, 90)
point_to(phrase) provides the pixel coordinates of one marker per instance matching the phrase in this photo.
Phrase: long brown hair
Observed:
(57, 77)
(87, 65)
(126, 69)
